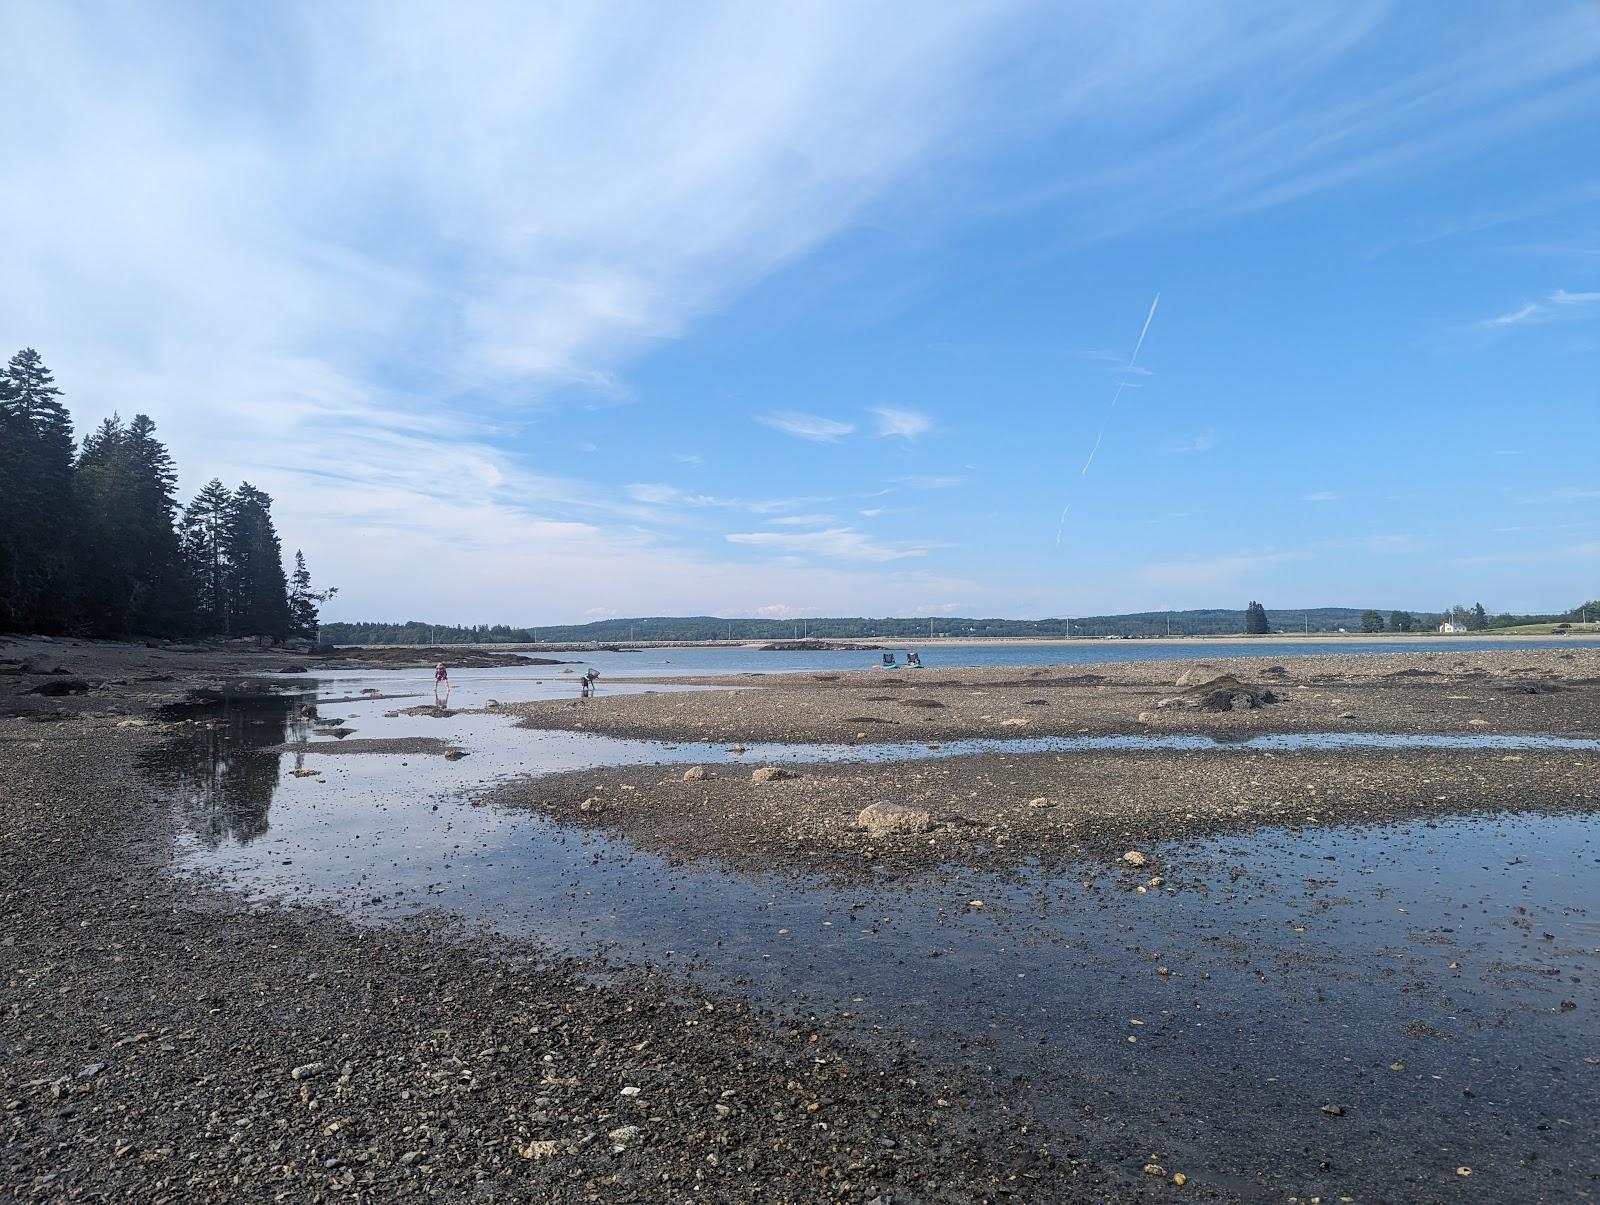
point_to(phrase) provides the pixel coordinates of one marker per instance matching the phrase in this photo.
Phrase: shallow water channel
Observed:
(1437, 983)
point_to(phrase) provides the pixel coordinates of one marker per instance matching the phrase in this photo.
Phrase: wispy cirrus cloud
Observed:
(1555, 306)
(1208, 574)
(1194, 445)
(901, 424)
(1320, 496)
(803, 520)
(807, 426)
(833, 543)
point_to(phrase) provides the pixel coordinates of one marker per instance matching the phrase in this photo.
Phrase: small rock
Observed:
(92, 1070)
(883, 819)
(1477, 723)
(1154, 1169)
(1333, 1110)
(307, 1070)
(1463, 1171)
(133, 723)
(1134, 858)
(1015, 722)
(538, 1148)
(771, 774)
(624, 1134)
(694, 774)
(304, 773)
(1179, 1179)
(631, 1090)
(454, 754)
(1147, 717)
(1041, 802)
(494, 705)
(593, 805)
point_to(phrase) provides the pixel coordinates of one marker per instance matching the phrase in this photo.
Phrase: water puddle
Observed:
(1437, 983)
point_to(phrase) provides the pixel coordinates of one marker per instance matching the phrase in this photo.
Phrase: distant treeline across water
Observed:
(1220, 622)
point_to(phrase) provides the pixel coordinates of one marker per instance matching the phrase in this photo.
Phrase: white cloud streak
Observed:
(807, 426)
(901, 424)
(834, 543)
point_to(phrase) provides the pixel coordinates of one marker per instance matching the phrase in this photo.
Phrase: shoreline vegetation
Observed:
(1254, 620)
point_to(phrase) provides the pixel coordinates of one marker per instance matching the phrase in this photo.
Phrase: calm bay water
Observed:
(747, 660)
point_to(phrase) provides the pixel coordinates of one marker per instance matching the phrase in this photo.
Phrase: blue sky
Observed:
(544, 314)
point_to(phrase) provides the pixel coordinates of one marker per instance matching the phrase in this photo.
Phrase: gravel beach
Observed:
(162, 1042)
(165, 1040)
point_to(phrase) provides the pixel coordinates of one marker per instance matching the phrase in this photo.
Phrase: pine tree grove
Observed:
(94, 542)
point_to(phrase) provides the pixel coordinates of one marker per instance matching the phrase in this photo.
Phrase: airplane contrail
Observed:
(1061, 526)
(1138, 346)
(1122, 384)
(1143, 331)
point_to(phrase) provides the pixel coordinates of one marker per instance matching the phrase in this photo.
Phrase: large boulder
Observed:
(771, 774)
(886, 819)
(1224, 693)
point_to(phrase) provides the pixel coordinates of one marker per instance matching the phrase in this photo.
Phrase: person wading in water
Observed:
(441, 683)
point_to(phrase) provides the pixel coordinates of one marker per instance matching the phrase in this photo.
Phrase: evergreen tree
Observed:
(132, 578)
(12, 546)
(258, 593)
(169, 608)
(305, 604)
(205, 555)
(1255, 620)
(1478, 619)
(1371, 621)
(36, 501)
(1402, 621)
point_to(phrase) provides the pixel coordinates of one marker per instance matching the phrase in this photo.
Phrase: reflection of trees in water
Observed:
(224, 775)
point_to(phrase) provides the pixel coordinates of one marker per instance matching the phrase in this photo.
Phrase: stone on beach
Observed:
(771, 774)
(884, 819)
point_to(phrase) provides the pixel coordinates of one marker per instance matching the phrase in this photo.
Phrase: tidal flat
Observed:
(596, 954)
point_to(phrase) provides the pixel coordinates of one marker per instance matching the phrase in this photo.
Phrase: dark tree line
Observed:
(94, 542)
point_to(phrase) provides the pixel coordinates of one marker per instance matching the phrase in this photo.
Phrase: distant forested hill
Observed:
(707, 627)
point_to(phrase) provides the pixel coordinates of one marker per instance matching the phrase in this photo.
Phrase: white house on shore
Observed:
(1451, 629)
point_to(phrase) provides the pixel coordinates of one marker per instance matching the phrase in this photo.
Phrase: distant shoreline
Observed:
(903, 642)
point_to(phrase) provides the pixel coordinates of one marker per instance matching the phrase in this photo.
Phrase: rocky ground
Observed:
(1555, 691)
(158, 1042)
(997, 812)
